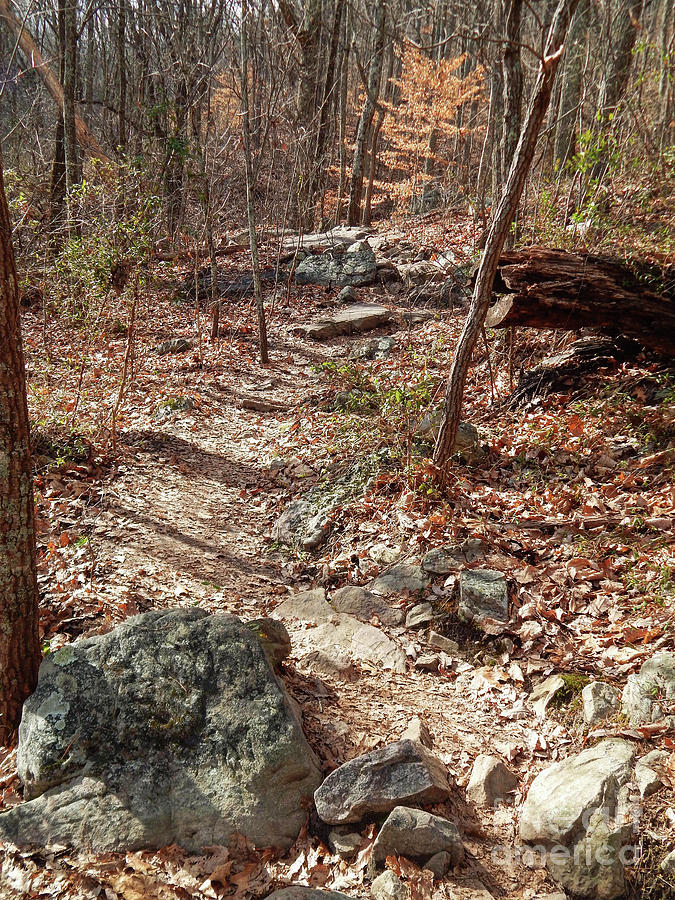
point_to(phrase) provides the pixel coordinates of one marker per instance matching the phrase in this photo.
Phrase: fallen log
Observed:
(544, 288)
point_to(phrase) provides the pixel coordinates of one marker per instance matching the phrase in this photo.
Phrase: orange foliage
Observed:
(418, 128)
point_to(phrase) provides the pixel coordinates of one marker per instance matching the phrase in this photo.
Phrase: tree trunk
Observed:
(19, 639)
(513, 79)
(499, 228)
(246, 134)
(570, 94)
(365, 121)
(73, 175)
(555, 289)
(122, 74)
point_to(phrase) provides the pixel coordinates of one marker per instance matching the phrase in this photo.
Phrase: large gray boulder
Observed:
(399, 774)
(416, 834)
(577, 811)
(330, 268)
(172, 728)
(647, 695)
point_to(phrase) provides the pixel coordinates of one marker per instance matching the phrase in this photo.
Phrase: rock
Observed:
(377, 348)
(428, 662)
(439, 864)
(401, 577)
(484, 599)
(329, 268)
(668, 864)
(175, 345)
(303, 523)
(417, 731)
(646, 694)
(439, 642)
(544, 693)
(416, 834)
(421, 614)
(306, 522)
(307, 606)
(301, 892)
(491, 782)
(577, 807)
(346, 295)
(173, 405)
(388, 885)
(647, 772)
(350, 320)
(449, 558)
(359, 640)
(344, 845)
(467, 441)
(600, 701)
(383, 554)
(340, 236)
(172, 728)
(363, 604)
(376, 782)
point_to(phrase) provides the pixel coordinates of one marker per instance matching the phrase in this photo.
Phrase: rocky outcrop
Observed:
(375, 783)
(172, 728)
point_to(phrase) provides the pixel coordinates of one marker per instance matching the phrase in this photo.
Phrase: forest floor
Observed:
(573, 500)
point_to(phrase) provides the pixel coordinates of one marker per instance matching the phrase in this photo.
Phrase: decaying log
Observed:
(545, 288)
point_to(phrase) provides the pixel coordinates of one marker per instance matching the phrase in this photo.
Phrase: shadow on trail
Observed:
(214, 466)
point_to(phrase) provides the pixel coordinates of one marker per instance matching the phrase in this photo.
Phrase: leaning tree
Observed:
(498, 232)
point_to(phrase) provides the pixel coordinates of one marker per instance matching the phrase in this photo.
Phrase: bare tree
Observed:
(498, 230)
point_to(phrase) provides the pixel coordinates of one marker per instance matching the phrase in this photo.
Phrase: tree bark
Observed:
(554, 289)
(246, 134)
(513, 80)
(19, 639)
(365, 121)
(71, 154)
(570, 93)
(499, 228)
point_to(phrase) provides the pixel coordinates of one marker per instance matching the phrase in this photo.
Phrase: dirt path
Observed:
(183, 522)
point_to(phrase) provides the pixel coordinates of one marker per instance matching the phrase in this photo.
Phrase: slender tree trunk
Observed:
(513, 79)
(319, 164)
(570, 94)
(499, 229)
(73, 176)
(365, 121)
(19, 639)
(246, 134)
(122, 74)
(342, 129)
